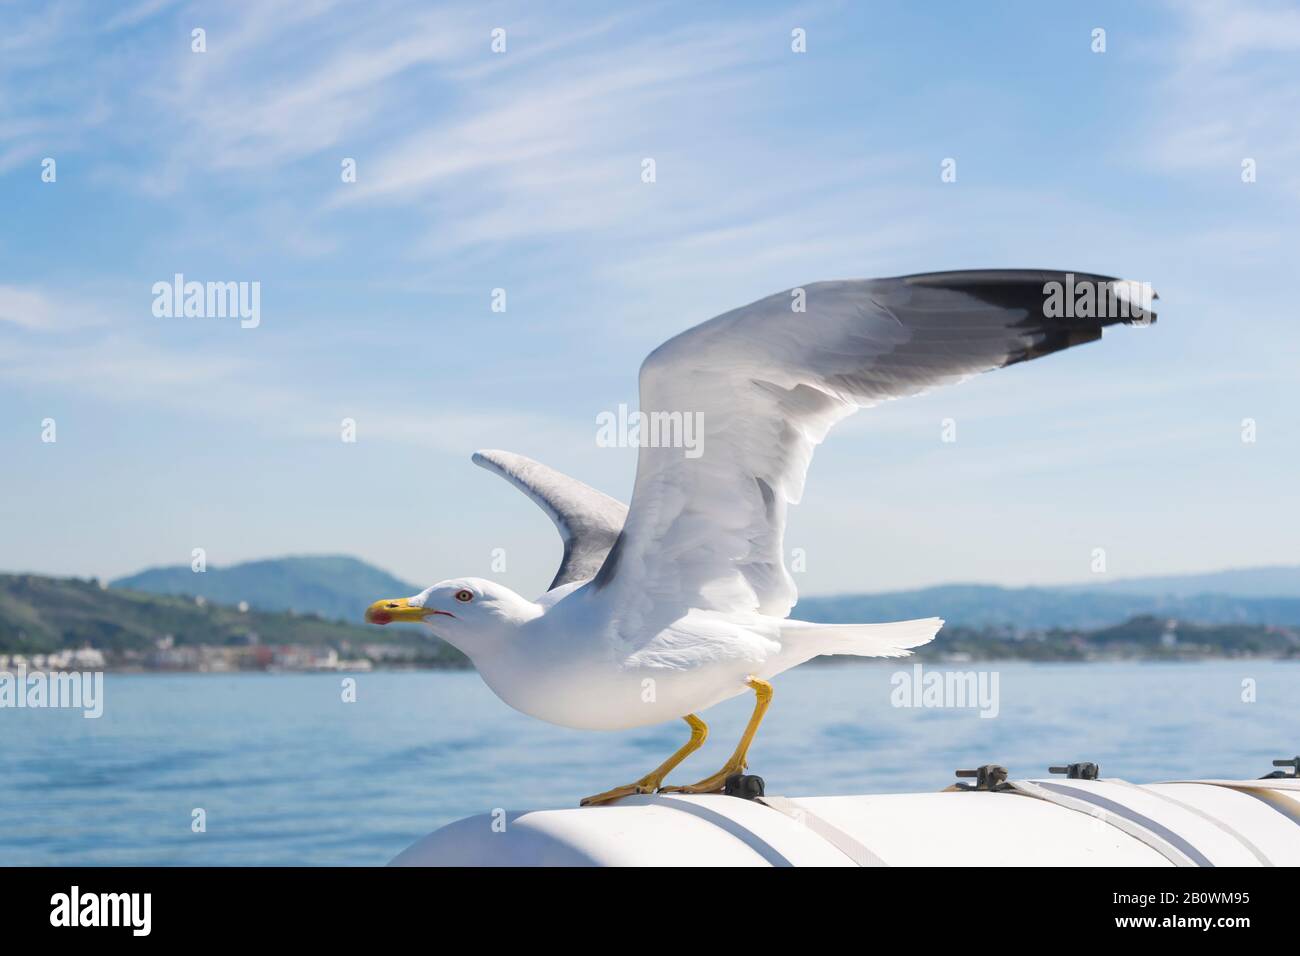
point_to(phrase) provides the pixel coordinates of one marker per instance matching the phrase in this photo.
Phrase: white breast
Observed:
(587, 679)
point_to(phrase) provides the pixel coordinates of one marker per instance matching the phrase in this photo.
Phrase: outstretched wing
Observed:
(588, 520)
(762, 386)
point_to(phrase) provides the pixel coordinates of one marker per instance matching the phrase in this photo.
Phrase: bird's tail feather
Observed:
(806, 639)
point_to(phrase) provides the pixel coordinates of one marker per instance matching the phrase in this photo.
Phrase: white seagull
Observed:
(679, 602)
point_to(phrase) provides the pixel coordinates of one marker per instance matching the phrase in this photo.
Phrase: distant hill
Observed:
(1269, 582)
(340, 588)
(333, 586)
(1140, 638)
(983, 605)
(40, 614)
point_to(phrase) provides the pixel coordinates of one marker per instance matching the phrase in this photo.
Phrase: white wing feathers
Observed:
(588, 520)
(767, 384)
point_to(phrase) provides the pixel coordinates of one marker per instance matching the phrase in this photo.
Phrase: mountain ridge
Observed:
(339, 587)
(39, 615)
(336, 587)
(980, 606)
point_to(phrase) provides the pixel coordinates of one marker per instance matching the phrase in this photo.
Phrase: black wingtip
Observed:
(1073, 300)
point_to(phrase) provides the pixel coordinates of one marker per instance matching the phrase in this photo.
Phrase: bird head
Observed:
(468, 613)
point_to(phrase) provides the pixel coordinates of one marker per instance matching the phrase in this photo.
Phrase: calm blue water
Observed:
(289, 774)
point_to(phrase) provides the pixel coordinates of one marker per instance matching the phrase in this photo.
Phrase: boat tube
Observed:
(1074, 821)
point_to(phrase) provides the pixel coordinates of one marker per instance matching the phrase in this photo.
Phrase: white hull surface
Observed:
(1048, 822)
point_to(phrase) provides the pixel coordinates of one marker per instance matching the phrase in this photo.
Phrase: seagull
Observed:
(681, 601)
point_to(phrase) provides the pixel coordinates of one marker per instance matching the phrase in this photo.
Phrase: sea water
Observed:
(287, 769)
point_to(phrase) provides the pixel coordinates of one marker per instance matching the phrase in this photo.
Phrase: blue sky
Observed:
(522, 170)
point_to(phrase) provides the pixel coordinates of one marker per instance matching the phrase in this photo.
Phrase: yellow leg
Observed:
(651, 781)
(736, 763)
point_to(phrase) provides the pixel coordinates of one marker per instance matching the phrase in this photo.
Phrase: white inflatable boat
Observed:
(1076, 820)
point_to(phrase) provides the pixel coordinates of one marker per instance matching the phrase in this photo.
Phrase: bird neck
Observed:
(499, 634)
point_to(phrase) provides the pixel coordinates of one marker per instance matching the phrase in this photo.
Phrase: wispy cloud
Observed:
(296, 80)
(26, 308)
(135, 13)
(232, 382)
(523, 170)
(554, 140)
(34, 309)
(1231, 82)
(48, 96)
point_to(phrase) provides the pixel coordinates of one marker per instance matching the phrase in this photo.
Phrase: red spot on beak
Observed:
(381, 617)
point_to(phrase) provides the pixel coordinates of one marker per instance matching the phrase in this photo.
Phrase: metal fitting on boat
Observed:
(1293, 763)
(988, 777)
(1078, 771)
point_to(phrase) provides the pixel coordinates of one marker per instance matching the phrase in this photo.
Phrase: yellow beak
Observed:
(397, 609)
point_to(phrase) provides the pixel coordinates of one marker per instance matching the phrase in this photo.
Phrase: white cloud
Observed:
(137, 13)
(547, 140)
(1230, 87)
(26, 308)
(235, 382)
(34, 309)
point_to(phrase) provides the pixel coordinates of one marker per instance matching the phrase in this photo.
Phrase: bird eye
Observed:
(464, 597)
